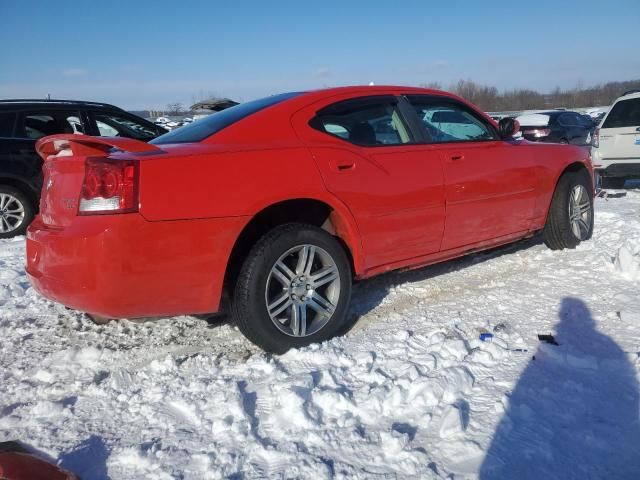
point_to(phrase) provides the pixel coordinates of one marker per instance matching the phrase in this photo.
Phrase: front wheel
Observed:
(293, 288)
(570, 218)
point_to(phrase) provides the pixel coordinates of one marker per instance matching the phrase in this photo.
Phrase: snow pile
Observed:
(627, 261)
(410, 392)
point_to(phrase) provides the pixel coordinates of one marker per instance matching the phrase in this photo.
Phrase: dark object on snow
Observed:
(486, 336)
(16, 463)
(12, 447)
(548, 339)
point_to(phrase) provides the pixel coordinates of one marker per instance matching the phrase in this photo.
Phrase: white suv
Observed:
(616, 144)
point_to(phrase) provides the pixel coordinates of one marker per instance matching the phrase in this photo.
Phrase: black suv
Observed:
(22, 122)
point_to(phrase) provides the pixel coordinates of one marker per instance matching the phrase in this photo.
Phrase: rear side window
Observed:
(207, 126)
(447, 121)
(367, 121)
(40, 124)
(567, 120)
(115, 125)
(7, 120)
(625, 113)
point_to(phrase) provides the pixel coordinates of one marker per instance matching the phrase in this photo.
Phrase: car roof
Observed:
(28, 102)
(305, 98)
(628, 95)
(370, 89)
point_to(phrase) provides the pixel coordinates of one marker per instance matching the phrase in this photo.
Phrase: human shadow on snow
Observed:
(88, 459)
(574, 412)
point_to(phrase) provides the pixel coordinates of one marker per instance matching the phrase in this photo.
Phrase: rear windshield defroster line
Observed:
(205, 127)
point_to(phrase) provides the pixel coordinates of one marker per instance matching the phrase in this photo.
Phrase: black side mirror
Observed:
(508, 127)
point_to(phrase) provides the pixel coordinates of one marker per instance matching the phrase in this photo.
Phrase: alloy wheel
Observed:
(580, 212)
(11, 213)
(302, 290)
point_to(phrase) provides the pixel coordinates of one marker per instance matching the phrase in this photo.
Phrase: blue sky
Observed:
(143, 54)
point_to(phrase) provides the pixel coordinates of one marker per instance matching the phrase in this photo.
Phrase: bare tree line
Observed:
(491, 100)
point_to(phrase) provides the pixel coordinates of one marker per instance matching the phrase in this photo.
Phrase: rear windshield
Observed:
(625, 113)
(205, 127)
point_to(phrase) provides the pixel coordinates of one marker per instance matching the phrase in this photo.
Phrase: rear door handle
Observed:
(343, 166)
(457, 156)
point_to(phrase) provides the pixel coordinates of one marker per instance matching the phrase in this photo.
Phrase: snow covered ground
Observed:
(410, 392)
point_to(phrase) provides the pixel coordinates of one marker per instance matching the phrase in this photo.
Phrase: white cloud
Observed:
(323, 72)
(75, 72)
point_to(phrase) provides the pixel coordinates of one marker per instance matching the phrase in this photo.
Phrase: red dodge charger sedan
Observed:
(282, 202)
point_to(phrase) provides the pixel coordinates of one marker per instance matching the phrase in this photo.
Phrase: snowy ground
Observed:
(410, 392)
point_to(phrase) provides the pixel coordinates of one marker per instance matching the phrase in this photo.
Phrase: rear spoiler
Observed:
(73, 144)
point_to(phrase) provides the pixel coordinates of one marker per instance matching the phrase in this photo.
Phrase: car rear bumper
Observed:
(631, 169)
(615, 167)
(123, 266)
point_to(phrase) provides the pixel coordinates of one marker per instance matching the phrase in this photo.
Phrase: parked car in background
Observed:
(23, 122)
(557, 126)
(597, 118)
(282, 201)
(616, 145)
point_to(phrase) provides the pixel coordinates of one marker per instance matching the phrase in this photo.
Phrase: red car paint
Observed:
(394, 207)
(24, 466)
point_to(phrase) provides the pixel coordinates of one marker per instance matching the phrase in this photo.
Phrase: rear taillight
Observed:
(109, 186)
(595, 141)
(537, 132)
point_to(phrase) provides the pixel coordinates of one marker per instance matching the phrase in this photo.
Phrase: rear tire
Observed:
(613, 182)
(570, 218)
(16, 211)
(293, 288)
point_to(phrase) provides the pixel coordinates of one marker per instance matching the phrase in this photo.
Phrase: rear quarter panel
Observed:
(236, 182)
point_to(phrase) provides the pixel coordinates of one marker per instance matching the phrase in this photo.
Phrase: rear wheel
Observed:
(570, 219)
(16, 211)
(613, 182)
(293, 288)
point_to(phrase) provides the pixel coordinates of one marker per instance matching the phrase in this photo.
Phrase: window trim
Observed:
(452, 101)
(368, 100)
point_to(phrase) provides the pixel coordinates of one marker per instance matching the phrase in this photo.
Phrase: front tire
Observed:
(16, 211)
(570, 218)
(293, 288)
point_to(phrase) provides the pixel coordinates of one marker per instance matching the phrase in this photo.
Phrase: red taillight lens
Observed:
(595, 141)
(109, 186)
(537, 132)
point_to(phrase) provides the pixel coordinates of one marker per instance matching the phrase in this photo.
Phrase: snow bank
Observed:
(410, 392)
(627, 261)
